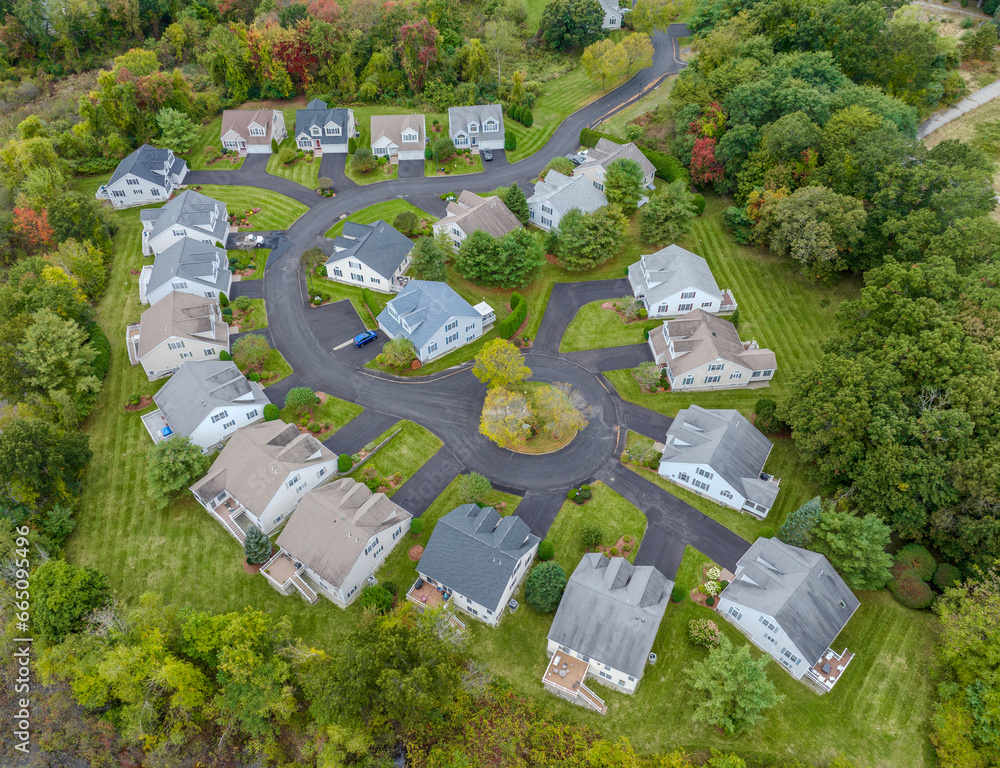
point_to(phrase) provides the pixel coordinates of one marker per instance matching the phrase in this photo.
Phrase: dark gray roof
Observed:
(611, 611)
(670, 270)
(473, 551)
(379, 245)
(319, 114)
(148, 163)
(564, 193)
(607, 151)
(198, 388)
(726, 441)
(425, 305)
(190, 259)
(192, 209)
(460, 117)
(799, 588)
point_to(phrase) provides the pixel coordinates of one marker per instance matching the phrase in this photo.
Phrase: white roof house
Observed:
(188, 266)
(476, 127)
(190, 214)
(557, 195)
(148, 175)
(673, 281)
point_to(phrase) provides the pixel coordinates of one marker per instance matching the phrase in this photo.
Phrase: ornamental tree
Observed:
(363, 161)
(257, 546)
(649, 15)
(506, 417)
(418, 51)
(798, 527)
(604, 62)
(563, 409)
(636, 53)
(172, 466)
(62, 597)
(517, 203)
(428, 259)
(623, 183)
(299, 399)
(647, 375)
(33, 229)
(177, 130)
(250, 350)
(500, 364)
(571, 23)
(398, 353)
(586, 240)
(544, 587)
(474, 487)
(705, 168)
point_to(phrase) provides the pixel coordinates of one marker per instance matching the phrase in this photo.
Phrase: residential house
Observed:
(339, 535)
(398, 136)
(605, 153)
(477, 127)
(206, 400)
(475, 559)
(604, 627)
(720, 455)
(557, 195)
(190, 214)
(471, 213)
(612, 14)
(370, 255)
(261, 474)
(435, 318)
(673, 281)
(322, 129)
(250, 131)
(148, 175)
(792, 604)
(189, 266)
(700, 351)
(178, 328)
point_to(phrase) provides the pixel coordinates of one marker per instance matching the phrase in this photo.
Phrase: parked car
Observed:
(487, 154)
(577, 157)
(363, 338)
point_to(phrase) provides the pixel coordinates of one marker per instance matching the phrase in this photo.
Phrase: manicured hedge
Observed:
(589, 138)
(271, 412)
(546, 551)
(667, 166)
(911, 591)
(947, 575)
(369, 299)
(102, 360)
(225, 356)
(917, 558)
(518, 314)
(344, 463)
(509, 141)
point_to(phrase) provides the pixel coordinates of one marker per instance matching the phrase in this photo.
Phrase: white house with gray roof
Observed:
(322, 129)
(370, 256)
(261, 474)
(148, 175)
(336, 538)
(557, 195)
(605, 153)
(720, 455)
(207, 401)
(178, 328)
(612, 14)
(477, 127)
(190, 214)
(476, 559)
(607, 621)
(188, 266)
(674, 281)
(472, 213)
(792, 604)
(401, 137)
(434, 318)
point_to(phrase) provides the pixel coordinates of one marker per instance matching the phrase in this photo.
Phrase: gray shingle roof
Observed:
(147, 163)
(392, 127)
(607, 151)
(255, 462)
(331, 526)
(425, 305)
(797, 587)
(460, 117)
(198, 388)
(473, 551)
(700, 338)
(183, 315)
(319, 114)
(726, 441)
(190, 259)
(564, 193)
(611, 611)
(191, 209)
(487, 214)
(670, 270)
(379, 245)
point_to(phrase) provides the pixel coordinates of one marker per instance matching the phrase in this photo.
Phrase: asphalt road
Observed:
(312, 339)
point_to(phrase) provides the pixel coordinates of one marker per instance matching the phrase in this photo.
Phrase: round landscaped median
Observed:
(533, 417)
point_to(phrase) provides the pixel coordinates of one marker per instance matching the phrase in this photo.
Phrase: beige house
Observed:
(471, 213)
(605, 153)
(398, 136)
(181, 327)
(249, 131)
(261, 474)
(700, 351)
(338, 536)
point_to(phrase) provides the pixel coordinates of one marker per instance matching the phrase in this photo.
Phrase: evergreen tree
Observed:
(856, 546)
(623, 184)
(667, 216)
(543, 589)
(798, 528)
(172, 466)
(586, 240)
(177, 131)
(257, 546)
(428, 258)
(517, 203)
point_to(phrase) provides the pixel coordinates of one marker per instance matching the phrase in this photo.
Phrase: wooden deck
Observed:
(565, 676)
(830, 667)
(281, 569)
(427, 595)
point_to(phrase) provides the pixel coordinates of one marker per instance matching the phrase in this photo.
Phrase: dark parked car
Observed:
(363, 338)
(487, 154)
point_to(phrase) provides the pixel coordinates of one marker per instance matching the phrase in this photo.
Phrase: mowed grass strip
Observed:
(608, 510)
(332, 410)
(304, 171)
(405, 453)
(276, 211)
(387, 211)
(596, 328)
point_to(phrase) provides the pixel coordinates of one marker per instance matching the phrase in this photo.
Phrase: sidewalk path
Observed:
(980, 97)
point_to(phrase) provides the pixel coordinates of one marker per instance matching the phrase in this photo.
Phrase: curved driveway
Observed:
(448, 404)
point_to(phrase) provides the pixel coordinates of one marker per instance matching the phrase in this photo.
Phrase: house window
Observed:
(132, 182)
(684, 477)
(631, 679)
(769, 625)
(756, 374)
(687, 295)
(725, 494)
(462, 141)
(706, 304)
(712, 379)
(703, 473)
(177, 232)
(155, 191)
(735, 612)
(300, 488)
(768, 373)
(337, 271)
(531, 213)
(470, 337)
(229, 144)
(176, 345)
(716, 367)
(219, 416)
(278, 519)
(456, 231)
(253, 414)
(186, 354)
(293, 481)
(314, 130)
(599, 185)
(118, 193)
(489, 126)
(684, 307)
(136, 191)
(354, 265)
(451, 325)
(210, 352)
(321, 472)
(375, 280)
(432, 348)
(546, 222)
(255, 131)
(409, 136)
(451, 339)
(688, 380)
(396, 533)
(470, 327)
(305, 143)
(357, 278)
(768, 637)
(737, 375)
(662, 308)
(699, 484)
(546, 209)
(229, 424)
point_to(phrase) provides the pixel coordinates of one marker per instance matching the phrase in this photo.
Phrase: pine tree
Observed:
(798, 528)
(428, 257)
(257, 546)
(517, 203)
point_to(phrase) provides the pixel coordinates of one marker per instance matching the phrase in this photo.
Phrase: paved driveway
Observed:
(411, 169)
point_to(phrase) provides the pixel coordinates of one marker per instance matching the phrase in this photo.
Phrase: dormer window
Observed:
(314, 130)
(332, 130)
(256, 130)
(473, 127)
(489, 126)
(409, 135)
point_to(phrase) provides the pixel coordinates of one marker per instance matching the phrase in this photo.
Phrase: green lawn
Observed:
(276, 363)
(387, 211)
(209, 136)
(256, 256)
(407, 452)
(332, 411)
(595, 328)
(388, 172)
(276, 211)
(457, 166)
(252, 319)
(611, 512)
(877, 715)
(335, 291)
(615, 124)
(304, 171)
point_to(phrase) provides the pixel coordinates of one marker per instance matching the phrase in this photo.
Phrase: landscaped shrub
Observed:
(910, 590)
(227, 312)
(315, 428)
(509, 141)
(416, 526)
(225, 356)
(739, 223)
(518, 314)
(287, 154)
(709, 601)
(253, 376)
(355, 458)
(370, 301)
(585, 494)
(678, 593)
(391, 588)
(591, 536)
(947, 575)
(344, 463)
(99, 342)
(614, 551)
(242, 302)
(369, 447)
(545, 550)
(917, 558)
(223, 300)
(527, 118)
(274, 145)
(406, 222)
(571, 494)
(766, 533)
(256, 547)
(766, 416)
(543, 589)
(352, 145)
(698, 204)
(376, 597)
(133, 399)
(703, 632)
(271, 412)
(722, 586)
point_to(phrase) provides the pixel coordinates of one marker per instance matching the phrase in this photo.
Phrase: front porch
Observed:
(827, 671)
(564, 677)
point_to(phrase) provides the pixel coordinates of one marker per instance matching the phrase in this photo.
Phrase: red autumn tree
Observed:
(705, 168)
(418, 50)
(33, 229)
(327, 10)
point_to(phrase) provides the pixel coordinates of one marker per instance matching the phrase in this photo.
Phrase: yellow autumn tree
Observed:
(506, 417)
(562, 409)
(500, 364)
